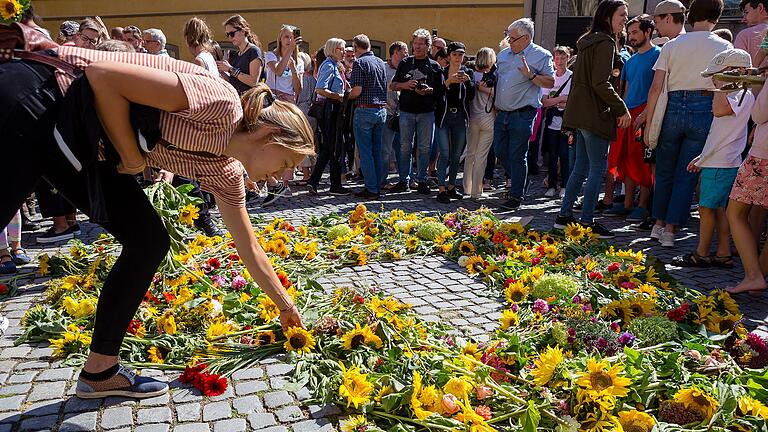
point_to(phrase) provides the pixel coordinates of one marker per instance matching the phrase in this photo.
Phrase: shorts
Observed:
(716, 186)
(649, 156)
(751, 185)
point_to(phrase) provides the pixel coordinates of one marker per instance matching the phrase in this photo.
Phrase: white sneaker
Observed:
(562, 193)
(667, 239)
(550, 193)
(656, 232)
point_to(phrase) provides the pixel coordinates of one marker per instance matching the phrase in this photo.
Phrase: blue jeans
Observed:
(591, 163)
(391, 146)
(451, 137)
(415, 129)
(368, 126)
(683, 134)
(511, 132)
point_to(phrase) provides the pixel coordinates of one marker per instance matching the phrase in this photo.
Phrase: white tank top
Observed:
(208, 61)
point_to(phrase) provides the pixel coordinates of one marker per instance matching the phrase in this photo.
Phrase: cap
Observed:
(456, 46)
(729, 58)
(69, 28)
(669, 7)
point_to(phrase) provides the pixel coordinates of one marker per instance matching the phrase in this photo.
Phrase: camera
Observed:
(461, 74)
(296, 33)
(489, 78)
(421, 85)
(434, 32)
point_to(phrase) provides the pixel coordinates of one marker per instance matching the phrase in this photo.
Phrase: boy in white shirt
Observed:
(719, 163)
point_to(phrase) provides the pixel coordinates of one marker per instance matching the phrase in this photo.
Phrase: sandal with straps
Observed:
(722, 261)
(692, 259)
(20, 257)
(7, 267)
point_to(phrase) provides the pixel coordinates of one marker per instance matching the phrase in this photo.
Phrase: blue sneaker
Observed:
(8, 266)
(124, 383)
(639, 214)
(618, 209)
(20, 257)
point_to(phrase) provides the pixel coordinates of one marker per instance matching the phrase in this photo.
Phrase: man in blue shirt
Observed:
(522, 71)
(369, 90)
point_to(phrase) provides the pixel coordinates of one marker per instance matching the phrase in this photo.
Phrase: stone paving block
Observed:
(153, 428)
(232, 425)
(117, 417)
(314, 425)
(229, 393)
(61, 374)
(302, 394)
(261, 420)
(186, 395)
(21, 378)
(247, 404)
(80, 422)
(43, 408)
(16, 352)
(279, 369)
(54, 390)
(275, 429)
(248, 374)
(6, 427)
(75, 404)
(12, 403)
(15, 389)
(37, 424)
(277, 399)
(156, 401)
(188, 412)
(289, 414)
(192, 427)
(318, 411)
(217, 411)
(32, 365)
(250, 387)
(154, 415)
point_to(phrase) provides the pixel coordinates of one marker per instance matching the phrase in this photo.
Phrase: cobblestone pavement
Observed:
(37, 393)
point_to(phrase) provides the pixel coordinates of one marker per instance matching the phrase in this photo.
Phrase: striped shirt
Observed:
(203, 130)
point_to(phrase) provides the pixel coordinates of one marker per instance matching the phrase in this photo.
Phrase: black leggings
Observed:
(331, 149)
(27, 118)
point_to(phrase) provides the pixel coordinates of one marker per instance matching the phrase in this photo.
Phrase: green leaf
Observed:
(391, 402)
(530, 419)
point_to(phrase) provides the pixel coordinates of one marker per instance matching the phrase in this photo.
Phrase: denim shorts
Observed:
(716, 186)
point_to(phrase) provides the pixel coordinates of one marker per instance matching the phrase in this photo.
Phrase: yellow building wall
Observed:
(479, 24)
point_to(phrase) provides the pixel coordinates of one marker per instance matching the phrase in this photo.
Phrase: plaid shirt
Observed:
(369, 72)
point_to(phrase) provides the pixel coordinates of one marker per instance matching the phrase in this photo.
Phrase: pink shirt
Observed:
(760, 117)
(750, 39)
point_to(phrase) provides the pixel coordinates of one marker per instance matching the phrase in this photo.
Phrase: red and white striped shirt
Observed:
(206, 126)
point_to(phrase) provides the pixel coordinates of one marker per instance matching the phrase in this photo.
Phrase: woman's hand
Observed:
(290, 318)
(624, 121)
(692, 165)
(132, 167)
(223, 66)
(640, 120)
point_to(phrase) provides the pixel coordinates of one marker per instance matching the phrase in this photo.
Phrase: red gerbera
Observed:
(133, 326)
(614, 267)
(214, 385)
(679, 313)
(214, 263)
(595, 275)
(284, 279)
(233, 257)
(169, 297)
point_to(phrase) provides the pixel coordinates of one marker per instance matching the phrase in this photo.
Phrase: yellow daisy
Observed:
(508, 319)
(544, 367)
(361, 336)
(188, 214)
(355, 387)
(752, 407)
(458, 387)
(698, 400)
(299, 340)
(636, 421)
(602, 378)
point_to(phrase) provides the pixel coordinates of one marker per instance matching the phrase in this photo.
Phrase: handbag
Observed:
(317, 106)
(393, 122)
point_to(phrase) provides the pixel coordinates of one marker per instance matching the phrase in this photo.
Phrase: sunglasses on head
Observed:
(232, 33)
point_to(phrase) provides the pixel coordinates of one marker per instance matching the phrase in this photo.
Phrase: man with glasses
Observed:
(154, 42)
(522, 71)
(132, 35)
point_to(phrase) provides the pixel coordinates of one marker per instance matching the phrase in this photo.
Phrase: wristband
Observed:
(533, 77)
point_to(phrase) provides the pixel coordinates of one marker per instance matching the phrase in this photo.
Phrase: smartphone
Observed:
(461, 74)
(296, 33)
(434, 32)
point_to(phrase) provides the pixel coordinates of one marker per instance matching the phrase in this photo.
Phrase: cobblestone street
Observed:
(37, 393)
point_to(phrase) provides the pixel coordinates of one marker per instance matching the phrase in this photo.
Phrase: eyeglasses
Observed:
(148, 41)
(232, 33)
(91, 40)
(516, 39)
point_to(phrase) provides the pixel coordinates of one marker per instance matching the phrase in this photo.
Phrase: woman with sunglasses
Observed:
(208, 132)
(242, 68)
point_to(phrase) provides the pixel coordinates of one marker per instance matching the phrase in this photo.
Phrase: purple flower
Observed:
(602, 342)
(571, 340)
(535, 260)
(576, 299)
(514, 307)
(238, 283)
(587, 307)
(626, 338)
(541, 306)
(450, 223)
(572, 332)
(615, 326)
(449, 341)
(218, 280)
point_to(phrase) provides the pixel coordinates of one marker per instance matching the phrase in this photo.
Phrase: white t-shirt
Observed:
(728, 135)
(283, 83)
(684, 57)
(557, 122)
(208, 61)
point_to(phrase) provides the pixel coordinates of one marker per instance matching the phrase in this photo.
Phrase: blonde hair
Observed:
(197, 34)
(240, 23)
(485, 58)
(113, 45)
(260, 108)
(331, 45)
(279, 48)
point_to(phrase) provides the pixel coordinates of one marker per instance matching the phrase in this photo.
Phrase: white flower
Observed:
(463, 260)
(573, 425)
(216, 308)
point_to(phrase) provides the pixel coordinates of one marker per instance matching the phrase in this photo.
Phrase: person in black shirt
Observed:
(242, 68)
(419, 80)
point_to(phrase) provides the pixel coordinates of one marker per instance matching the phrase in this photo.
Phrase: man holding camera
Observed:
(419, 80)
(522, 71)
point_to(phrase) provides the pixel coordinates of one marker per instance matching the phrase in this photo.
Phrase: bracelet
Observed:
(237, 72)
(533, 77)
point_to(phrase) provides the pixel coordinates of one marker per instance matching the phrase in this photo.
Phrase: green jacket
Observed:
(594, 102)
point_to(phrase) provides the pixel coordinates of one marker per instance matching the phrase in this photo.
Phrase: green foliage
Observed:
(556, 285)
(653, 330)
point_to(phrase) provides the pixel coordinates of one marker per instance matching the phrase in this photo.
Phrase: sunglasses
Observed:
(232, 33)
(91, 40)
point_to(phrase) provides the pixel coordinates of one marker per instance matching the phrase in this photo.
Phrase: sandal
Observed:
(20, 257)
(692, 259)
(725, 262)
(7, 267)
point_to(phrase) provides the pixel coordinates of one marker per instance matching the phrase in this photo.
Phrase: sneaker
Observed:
(601, 231)
(20, 257)
(550, 193)
(28, 225)
(432, 182)
(657, 231)
(51, 236)
(340, 191)
(251, 195)
(414, 185)
(312, 189)
(273, 194)
(124, 383)
(639, 214)
(366, 194)
(618, 210)
(209, 228)
(646, 225)
(511, 204)
(7, 267)
(75, 229)
(562, 193)
(442, 197)
(667, 239)
(563, 221)
(399, 187)
(454, 194)
(424, 189)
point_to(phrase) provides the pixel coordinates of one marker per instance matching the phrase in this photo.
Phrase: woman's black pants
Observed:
(29, 99)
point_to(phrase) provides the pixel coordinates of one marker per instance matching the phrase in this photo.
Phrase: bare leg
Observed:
(99, 362)
(706, 229)
(610, 186)
(757, 221)
(738, 216)
(723, 233)
(115, 86)
(629, 196)
(645, 197)
(60, 224)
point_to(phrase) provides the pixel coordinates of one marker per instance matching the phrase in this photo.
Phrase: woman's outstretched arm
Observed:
(115, 86)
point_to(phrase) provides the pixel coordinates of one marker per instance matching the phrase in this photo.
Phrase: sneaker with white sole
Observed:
(124, 383)
(656, 232)
(550, 193)
(51, 236)
(667, 239)
(274, 193)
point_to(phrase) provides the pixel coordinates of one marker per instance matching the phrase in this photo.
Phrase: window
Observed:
(173, 50)
(587, 7)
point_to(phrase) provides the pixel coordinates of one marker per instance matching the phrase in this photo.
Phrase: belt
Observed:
(371, 105)
(453, 110)
(695, 92)
(523, 109)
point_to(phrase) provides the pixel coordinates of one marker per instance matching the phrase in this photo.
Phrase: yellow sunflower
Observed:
(697, 400)
(299, 340)
(508, 319)
(188, 214)
(459, 387)
(544, 367)
(155, 355)
(167, 323)
(268, 310)
(636, 421)
(265, 338)
(600, 423)
(10, 9)
(412, 243)
(602, 378)
(424, 400)
(573, 231)
(466, 248)
(516, 292)
(475, 263)
(752, 407)
(361, 336)
(355, 424)
(355, 386)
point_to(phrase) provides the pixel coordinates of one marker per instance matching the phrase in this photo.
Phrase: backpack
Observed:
(18, 41)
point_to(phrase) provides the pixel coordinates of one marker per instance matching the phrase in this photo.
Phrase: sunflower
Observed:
(360, 336)
(466, 248)
(458, 387)
(533, 236)
(155, 355)
(573, 231)
(544, 367)
(600, 423)
(601, 378)
(265, 338)
(636, 421)
(728, 303)
(475, 263)
(355, 386)
(268, 310)
(508, 319)
(355, 424)
(412, 243)
(73, 341)
(299, 340)
(752, 407)
(188, 214)
(424, 400)
(516, 292)
(515, 229)
(697, 400)
(220, 329)
(167, 323)
(10, 9)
